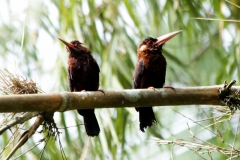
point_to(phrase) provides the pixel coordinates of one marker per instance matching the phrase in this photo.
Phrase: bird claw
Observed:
(169, 87)
(151, 88)
(101, 90)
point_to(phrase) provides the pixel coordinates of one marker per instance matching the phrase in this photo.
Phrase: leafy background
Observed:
(205, 53)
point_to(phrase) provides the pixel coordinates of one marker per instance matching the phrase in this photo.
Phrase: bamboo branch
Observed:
(63, 101)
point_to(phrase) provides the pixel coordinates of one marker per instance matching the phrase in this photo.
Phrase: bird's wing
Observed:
(70, 81)
(96, 65)
(95, 75)
(138, 74)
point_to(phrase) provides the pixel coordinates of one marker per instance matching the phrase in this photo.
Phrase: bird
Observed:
(83, 75)
(150, 72)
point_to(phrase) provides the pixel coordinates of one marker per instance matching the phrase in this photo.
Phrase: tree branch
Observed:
(205, 95)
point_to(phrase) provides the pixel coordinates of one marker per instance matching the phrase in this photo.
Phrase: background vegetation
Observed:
(205, 53)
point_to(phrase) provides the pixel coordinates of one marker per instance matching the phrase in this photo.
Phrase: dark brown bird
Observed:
(150, 72)
(83, 75)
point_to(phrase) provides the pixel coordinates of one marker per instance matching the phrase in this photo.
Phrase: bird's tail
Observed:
(146, 117)
(90, 122)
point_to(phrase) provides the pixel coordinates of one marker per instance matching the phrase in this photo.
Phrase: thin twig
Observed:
(232, 3)
(235, 136)
(217, 19)
(26, 136)
(18, 120)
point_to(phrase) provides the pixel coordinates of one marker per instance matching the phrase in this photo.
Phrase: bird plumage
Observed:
(83, 75)
(150, 71)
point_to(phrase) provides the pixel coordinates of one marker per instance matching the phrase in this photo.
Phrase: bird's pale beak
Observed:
(69, 45)
(163, 39)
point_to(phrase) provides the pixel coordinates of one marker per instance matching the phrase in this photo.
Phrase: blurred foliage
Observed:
(205, 53)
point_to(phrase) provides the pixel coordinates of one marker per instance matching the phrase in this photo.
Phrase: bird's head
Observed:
(155, 44)
(75, 46)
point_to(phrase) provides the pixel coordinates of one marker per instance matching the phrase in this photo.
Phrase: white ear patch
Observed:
(143, 48)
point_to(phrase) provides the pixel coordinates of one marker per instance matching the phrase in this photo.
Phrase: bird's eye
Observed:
(76, 44)
(150, 42)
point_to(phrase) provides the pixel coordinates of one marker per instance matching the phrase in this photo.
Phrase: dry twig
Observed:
(15, 84)
(230, 98)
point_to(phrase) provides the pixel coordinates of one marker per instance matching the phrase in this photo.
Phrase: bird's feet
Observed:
(101, 90)
(151, 88)
(169, 87)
